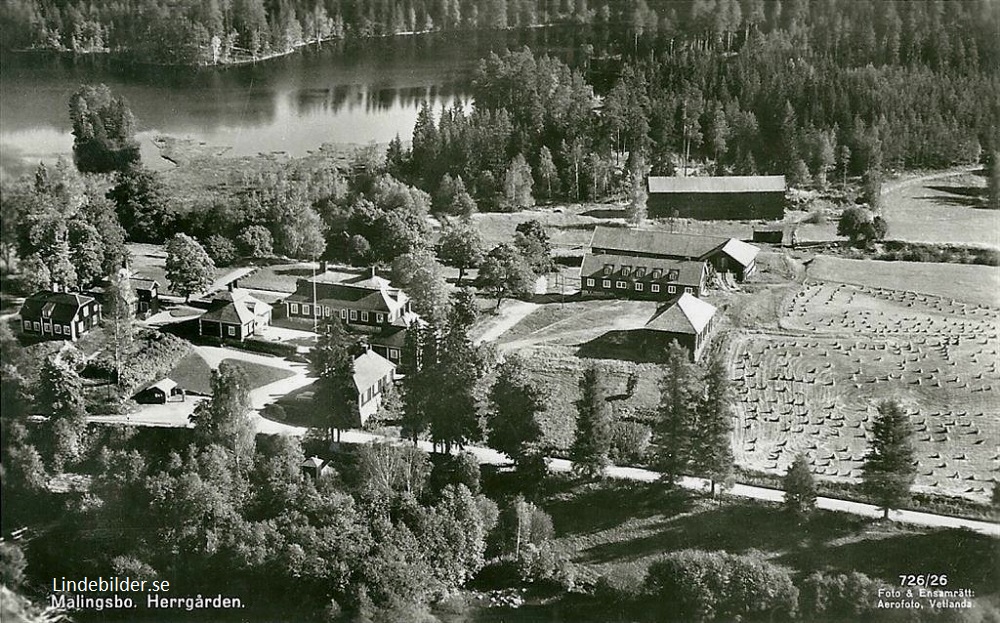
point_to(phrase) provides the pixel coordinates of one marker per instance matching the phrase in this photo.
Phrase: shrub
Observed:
(220, 249)
(620, 585)
(542, 564)
(718, 586)
(842, 596)
(629, 442)
(817, 217)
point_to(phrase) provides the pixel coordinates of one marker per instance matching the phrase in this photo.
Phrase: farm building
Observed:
(147, 296)
(689, 322)
(630, 246)
(783, 234)
(718, 198)
(59, 315)
(163, 391)
(370, 305)
(650, 278)
(234, 315)
(373, 374)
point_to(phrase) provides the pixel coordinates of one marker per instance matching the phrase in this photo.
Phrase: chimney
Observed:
(231, 285)
(322, 266)
(374, 273)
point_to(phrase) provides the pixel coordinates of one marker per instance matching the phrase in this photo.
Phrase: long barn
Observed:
(718, 198)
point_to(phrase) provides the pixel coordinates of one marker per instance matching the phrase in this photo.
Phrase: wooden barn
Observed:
(717, 198)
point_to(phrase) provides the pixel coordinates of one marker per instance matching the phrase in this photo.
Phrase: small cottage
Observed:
(234, 315)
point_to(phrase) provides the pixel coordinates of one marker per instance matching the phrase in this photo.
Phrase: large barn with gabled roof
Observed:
(731, 197)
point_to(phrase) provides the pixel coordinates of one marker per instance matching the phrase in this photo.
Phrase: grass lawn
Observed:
(620, 528)
(962, 282)
(195, 375)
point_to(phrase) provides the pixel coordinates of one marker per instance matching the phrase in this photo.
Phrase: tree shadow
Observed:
(960, 196)
(604, 505)
(605, 213)
(732, 527)
(968, 559)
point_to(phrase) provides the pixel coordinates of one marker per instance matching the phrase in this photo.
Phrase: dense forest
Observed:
(218, 31)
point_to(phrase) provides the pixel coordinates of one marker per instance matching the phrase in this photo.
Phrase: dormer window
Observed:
(657, 273)
(626, 271)
(640, 272)
(673, 275)
(609, 268)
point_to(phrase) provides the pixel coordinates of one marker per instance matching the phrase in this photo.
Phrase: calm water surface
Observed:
(341, 94)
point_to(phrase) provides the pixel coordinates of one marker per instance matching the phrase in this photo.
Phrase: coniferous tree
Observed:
(800, 487)
(332, 361)
(592, 444)
(679, 395)
(993, 181)
(711, 451)
(516, 400)
(888, 471)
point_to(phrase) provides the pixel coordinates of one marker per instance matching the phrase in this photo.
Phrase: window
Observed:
(231, 331)
(688, 290)
(606, 283)
(379, 318)
(66, 330)
(305, 309)
(671, 289)
(293, 308)
(364, 316)
(640, 273)
(673, 275)
(626, 271)
(590, 282)
(58, 329)
(326, 311)
(654, 287)
(354, 314)
(657, 273)
(609, 268)
(621, 285)
(27, 325)
(36, 326)
(638, 287)
(393, 353)
(86, 312)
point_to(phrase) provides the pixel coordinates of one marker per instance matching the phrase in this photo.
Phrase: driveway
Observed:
(510, 315)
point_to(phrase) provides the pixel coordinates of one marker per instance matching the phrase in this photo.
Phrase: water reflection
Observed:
(348, 93)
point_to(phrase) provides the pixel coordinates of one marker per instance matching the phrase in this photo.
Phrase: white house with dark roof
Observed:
(234, 315)
(59, 315)
(373, 374)
(689, 321)
(723, 255)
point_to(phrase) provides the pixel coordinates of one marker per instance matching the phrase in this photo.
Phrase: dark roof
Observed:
(655, 242)
(140, 283)
(689, 315)
(356, 296)
(689, 273)
(236, 307)
(720, 184)
(61, 307)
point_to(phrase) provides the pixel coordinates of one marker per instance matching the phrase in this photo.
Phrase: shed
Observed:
(690, 322)
(162, 391)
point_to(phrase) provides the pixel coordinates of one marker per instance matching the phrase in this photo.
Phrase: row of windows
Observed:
(327, 311)
(639, 287)
(640, 272)
(57, 329)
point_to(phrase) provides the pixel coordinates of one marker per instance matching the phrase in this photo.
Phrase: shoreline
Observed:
(126, 57)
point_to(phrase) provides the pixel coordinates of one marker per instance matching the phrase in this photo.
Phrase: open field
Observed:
(942, 209)
(962, 282)
(815, 391)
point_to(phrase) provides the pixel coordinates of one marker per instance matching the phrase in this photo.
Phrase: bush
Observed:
(220, 249)
(838, 597)
(542, 564)
(817, 217)
(288, 351)
(718, 586)
(629, 443)
(156, 354)
(620, 585)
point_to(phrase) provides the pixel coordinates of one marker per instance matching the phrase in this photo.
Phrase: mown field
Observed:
(815, 389)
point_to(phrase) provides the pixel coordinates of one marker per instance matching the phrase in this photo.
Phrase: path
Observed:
(510, 315)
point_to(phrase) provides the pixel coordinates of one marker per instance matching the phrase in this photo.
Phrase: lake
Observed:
(335, 93)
